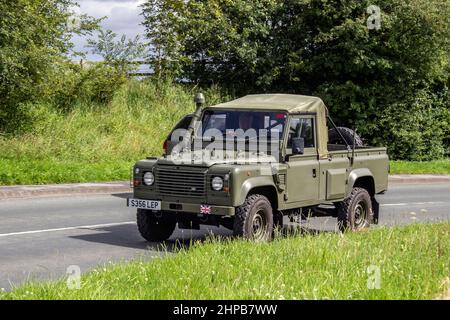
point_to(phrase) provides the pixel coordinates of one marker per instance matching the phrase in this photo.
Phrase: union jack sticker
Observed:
(205, 209)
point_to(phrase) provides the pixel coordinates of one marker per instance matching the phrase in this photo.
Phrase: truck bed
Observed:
(375, 159)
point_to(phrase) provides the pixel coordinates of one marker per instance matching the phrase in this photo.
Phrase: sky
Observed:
(123, 18)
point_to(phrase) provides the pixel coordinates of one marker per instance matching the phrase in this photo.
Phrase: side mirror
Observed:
(298, 145)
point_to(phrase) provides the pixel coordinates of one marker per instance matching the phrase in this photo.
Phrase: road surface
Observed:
(41, 237)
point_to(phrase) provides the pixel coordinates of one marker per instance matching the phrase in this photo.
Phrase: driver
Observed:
(245, 121)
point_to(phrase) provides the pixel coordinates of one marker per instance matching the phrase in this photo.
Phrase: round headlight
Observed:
(149, 178)
(217, 183)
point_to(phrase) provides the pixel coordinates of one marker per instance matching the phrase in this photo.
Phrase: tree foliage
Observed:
(34, 37)
(391, 82)
(117, 53)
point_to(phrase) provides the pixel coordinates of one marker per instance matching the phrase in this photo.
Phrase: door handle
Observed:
(314, 173)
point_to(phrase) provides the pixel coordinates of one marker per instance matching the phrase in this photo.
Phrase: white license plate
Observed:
(144, 204)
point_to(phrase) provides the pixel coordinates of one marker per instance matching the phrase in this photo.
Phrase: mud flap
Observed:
(376, 210)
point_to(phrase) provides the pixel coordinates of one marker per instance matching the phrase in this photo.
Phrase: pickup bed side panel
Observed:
(376, 164)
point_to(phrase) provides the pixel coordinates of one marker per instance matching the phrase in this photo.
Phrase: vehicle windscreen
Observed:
(251, 124)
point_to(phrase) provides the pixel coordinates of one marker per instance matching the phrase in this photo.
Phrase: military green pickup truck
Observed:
(254, 164)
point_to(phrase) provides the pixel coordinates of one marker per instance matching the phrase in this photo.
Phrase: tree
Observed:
(117, 53)
(212, 41)
(387, 82)
(163, 30)
(34, 35)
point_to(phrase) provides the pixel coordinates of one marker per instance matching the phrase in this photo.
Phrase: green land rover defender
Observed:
(254, 163)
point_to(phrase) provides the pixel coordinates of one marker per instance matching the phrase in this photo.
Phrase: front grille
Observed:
(181, 182)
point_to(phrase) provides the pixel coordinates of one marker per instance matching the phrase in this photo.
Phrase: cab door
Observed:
(302, 176)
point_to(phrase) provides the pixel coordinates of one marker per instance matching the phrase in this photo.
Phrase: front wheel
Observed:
(355, 212)
(152, 228)
(254, 219)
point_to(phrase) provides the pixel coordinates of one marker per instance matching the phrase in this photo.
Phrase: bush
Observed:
(415, 129)
(414, 125)
(70, 84)
(100, 83)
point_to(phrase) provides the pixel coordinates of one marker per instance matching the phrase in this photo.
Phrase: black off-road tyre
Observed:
(355, 212)
(254, 219)
(154, 229)
(335, 138)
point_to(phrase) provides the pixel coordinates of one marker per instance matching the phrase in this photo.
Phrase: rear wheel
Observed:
(355, 212)
(152, 228)
(254, 219)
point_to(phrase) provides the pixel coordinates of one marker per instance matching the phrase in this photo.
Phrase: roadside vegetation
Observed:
(413, 263)
(64, 122)
(97, 142)
(94, 142)
(421, 167)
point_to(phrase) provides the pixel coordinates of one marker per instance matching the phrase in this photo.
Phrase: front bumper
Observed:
(182, 207)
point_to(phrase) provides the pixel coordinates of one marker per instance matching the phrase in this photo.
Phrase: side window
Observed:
(216, 121)
(183, 124)
(304, 127)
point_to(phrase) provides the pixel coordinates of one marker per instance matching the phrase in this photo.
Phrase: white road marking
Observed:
(68, 228)
(133, 222)
(412, 204)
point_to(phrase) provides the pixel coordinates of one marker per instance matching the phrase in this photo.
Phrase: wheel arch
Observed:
(361, 178)
(269, 192)
(259, 185)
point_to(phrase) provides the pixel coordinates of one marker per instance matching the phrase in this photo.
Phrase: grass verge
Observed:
(413, 262)
(46, 171)
(418, 167)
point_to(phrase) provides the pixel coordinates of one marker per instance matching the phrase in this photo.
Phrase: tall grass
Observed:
(418, 167)
(387, 263)
(96, 142)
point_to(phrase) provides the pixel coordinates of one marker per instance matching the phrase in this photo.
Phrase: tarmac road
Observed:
(41, 237)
